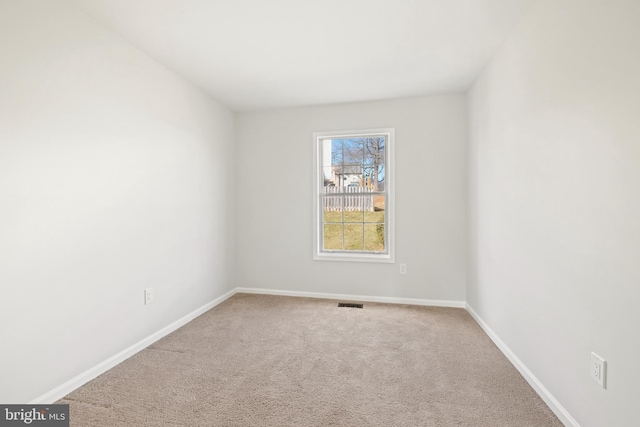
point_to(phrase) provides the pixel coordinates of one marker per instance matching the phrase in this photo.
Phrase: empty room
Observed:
(320, 213)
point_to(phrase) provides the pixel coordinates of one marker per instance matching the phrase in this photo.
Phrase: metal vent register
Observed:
(349, 305)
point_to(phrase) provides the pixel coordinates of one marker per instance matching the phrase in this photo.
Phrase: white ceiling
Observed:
(257, 54)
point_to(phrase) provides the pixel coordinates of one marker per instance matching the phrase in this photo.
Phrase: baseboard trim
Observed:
(542, 391)
(364, 298)
(79, 380)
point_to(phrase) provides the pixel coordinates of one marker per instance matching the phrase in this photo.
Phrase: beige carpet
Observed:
(260, 360)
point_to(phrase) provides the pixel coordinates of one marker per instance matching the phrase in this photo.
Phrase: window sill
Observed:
(342, 257)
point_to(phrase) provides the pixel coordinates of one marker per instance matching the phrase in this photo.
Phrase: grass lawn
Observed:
(363, 230)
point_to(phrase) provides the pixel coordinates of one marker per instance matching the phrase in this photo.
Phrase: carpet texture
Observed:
(258, 360)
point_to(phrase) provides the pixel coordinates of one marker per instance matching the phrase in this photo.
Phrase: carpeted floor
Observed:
(259, 360)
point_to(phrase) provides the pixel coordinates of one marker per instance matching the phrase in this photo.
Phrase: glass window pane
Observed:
(354, 206)
(374, 162)
(354, 216)
(374, 237)
(341, 178)
(332, 236)
(353, 151)
(328, 183)
(358, 202)
(331, 163)
(376, 211)
(353, 239)
(332, 206)
(337, 152)
(352, 171)
(350, 178)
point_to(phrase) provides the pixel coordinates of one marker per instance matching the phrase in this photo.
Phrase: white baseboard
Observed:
(542, 391)
(78, 381)
(390, 300)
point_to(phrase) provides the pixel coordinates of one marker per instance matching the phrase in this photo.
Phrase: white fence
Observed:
(344, 199)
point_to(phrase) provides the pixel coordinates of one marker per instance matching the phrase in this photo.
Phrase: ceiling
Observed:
(258, 54)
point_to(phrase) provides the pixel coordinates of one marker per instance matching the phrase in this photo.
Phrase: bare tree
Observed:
(367, 154)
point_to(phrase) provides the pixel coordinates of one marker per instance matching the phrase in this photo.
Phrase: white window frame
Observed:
(330, 255)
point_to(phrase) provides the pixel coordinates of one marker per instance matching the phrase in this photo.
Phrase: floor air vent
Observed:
(349, 305)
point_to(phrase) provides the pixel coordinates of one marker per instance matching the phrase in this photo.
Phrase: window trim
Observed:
(318, 253)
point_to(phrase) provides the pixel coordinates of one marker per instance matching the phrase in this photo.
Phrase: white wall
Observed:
(114, 177)
(274, 203)
(555, 201)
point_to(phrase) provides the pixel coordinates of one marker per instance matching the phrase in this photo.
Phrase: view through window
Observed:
(353, 200)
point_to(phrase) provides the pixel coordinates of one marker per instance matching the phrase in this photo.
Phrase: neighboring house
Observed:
(348, 176)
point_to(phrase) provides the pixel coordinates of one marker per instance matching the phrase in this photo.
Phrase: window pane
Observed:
(354, 216)
(354, 206)
(353, 151)
(349, 178)
(332, 206)
(331, 164)
(374, 237)
(353, 239)
(352, 172)
(328, 185)
(376, 213)
(332, 236)
(337, 152)
(374, 162)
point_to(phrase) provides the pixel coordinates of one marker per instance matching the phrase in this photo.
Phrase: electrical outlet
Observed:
(148, 296)
(598, 369)
(403, 268)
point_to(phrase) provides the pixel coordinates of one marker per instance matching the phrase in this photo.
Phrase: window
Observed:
(353, 195)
